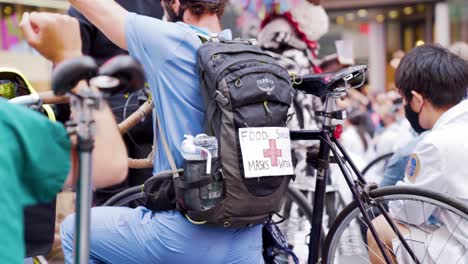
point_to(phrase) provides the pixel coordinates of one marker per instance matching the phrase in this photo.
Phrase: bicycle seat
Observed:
(67, 74)
(323, 84)
(126, 70)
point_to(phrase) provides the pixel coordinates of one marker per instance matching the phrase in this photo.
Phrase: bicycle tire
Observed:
(123, 197)
(375, 161)
(301, 200)
(334, 203)
(383, 194)
(135, 193)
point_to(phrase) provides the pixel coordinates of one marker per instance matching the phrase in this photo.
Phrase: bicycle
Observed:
(121, 73)
(367, 198)
(366, 195)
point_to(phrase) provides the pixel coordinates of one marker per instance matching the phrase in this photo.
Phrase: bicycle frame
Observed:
(359, 187)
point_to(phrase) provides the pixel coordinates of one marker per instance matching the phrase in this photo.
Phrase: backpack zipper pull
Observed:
(267, 109)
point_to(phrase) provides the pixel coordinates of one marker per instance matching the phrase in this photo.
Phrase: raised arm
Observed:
(57, 37)
(107, 16)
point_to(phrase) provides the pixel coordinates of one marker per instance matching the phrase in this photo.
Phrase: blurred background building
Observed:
(14, 51)
(376, 29)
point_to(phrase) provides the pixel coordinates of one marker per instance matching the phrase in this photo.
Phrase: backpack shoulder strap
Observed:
(170, 158)
(223, 36)
(203, 38)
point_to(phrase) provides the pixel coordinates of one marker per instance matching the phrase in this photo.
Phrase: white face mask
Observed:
(312, 20)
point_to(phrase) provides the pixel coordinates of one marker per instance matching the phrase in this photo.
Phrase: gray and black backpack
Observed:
(247, 96)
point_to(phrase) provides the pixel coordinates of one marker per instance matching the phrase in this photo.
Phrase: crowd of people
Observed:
(420, 123)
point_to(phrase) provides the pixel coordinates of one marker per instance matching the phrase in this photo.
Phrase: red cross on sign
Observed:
(273, 153)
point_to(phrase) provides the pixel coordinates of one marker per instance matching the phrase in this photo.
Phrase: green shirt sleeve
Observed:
(40, 151)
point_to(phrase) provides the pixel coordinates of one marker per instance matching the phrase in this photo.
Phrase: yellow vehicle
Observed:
(13, 84)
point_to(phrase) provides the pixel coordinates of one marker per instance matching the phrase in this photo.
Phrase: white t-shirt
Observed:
(439, 163)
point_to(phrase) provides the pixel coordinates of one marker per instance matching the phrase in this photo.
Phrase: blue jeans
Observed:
(125, 235)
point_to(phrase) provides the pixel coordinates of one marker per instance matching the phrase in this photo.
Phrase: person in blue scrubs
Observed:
(167, 50)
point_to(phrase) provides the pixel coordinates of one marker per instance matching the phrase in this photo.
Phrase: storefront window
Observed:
(11, 39)
(459, 21)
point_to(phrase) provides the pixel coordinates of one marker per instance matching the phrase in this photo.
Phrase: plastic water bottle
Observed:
(201, 148)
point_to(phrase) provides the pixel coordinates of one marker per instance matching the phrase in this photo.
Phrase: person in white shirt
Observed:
(433, 83)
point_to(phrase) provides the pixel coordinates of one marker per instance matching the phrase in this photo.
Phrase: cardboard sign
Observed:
(266, 151)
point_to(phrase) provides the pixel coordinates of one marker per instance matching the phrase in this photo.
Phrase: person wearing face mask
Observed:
(433, 82)
(395, 168)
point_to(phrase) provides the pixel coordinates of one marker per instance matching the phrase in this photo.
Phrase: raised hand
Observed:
(55, 36)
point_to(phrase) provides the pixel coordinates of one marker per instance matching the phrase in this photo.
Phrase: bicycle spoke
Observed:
(425, 234)
(462, 256)
(369, 250)
(407, 217)
(450, 237)
(430, 241)
(412, 253)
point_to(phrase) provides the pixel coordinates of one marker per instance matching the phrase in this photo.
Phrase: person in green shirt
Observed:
(36, 155)
(35, 161)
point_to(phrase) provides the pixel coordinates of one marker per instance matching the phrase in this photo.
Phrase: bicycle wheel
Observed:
(374, 162)
(347, 243)
(294, 222)
(129, 197)
(301, 200)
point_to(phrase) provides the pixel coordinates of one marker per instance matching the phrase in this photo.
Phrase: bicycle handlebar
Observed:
(126, 70)
(144, 110)
(122, 73)
(69, 73)
(40, 98)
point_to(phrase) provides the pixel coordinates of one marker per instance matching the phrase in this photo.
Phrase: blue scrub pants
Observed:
(125, 235)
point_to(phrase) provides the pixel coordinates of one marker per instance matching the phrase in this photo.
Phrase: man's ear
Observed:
(175, 4)
(417, 101)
